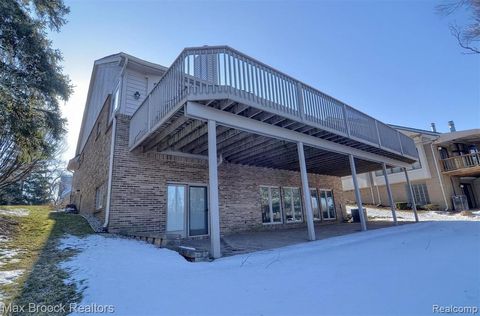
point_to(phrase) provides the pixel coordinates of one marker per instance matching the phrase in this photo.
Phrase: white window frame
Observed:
(115, 102)
(334, 206)
(270, 187)
(99, 197)
(420, 192)
(319, 204)
(187, 185)
(292, 205)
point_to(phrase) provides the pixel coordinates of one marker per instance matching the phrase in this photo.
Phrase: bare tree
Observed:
(468, 36)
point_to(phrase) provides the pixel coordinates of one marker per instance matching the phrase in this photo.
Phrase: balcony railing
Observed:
(222, 72)
(461, 162)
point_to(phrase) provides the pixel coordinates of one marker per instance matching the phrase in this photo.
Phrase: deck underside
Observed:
(181, 135)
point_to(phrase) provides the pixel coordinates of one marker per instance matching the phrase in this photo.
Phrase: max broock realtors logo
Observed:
(454, 309)
(33, 308)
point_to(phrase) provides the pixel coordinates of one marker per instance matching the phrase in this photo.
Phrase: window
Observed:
(420, 193)
(327, 204)
(443, 153)
(416, 165)
(98, 130)
(270, 204)
(100, 197)
(292, 205)
(176, 205)
(315, 205)
(115, 99)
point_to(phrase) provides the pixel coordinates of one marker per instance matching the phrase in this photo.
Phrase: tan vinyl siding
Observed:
(106, 77)
(134, 82)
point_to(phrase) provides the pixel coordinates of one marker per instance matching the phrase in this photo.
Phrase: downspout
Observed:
(439, 177)
(110, 174)
(112, 150)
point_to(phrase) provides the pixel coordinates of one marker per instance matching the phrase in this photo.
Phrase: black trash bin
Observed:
(356, 214)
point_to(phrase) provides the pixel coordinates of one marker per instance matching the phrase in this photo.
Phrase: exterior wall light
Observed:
(136, 95)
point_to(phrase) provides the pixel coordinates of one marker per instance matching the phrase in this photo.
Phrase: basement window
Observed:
(99, 197)
(271, 205)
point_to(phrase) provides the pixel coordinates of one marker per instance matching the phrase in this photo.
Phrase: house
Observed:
(446, 176)
(64, 189)
(217, 143)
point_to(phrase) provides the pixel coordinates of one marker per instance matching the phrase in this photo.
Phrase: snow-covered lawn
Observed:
(399, 270)
(382, 214)
(15, 212)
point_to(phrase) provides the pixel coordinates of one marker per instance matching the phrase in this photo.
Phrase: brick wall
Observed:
(93, 167)
(140, 182)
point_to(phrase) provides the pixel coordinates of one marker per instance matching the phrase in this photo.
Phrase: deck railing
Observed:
(461, 162)
(222, 72)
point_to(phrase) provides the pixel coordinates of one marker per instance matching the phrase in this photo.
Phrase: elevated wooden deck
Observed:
(225, 81)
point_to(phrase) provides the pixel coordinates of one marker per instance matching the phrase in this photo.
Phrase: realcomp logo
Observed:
(454, 309)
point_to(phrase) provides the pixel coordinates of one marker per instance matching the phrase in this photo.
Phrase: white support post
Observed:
(306, 192)
(213, 190)
(409, 185)
(371, 184)
(389, 193)
(358, 195)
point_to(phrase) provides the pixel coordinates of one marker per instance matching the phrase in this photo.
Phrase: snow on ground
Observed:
(8, 277)
(399, 270)
(381, 214)
(14, 212)
(8, 256)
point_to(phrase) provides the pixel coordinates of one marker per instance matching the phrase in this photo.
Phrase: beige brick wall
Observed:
(140, 181)
(93, 167)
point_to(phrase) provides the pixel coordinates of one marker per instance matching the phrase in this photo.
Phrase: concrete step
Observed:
(193, 254)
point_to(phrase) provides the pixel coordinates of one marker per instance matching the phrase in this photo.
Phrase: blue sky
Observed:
(394, 60)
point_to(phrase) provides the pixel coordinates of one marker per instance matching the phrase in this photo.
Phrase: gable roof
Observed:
(123, 60)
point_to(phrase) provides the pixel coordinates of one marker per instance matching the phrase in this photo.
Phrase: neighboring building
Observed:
(447, 174)
(218, 143)
(64, 189)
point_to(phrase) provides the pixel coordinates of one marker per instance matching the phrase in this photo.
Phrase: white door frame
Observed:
(186, 215)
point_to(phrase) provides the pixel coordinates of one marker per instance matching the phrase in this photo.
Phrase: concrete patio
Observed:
(246, 242)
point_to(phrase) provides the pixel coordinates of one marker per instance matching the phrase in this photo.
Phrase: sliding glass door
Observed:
(198, 211)
(271, 205)
(292, 205)
(176, 207)
(187, 210)
(327, 205)
(315, 205)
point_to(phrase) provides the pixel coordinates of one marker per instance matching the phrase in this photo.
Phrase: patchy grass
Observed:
(35, 239)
